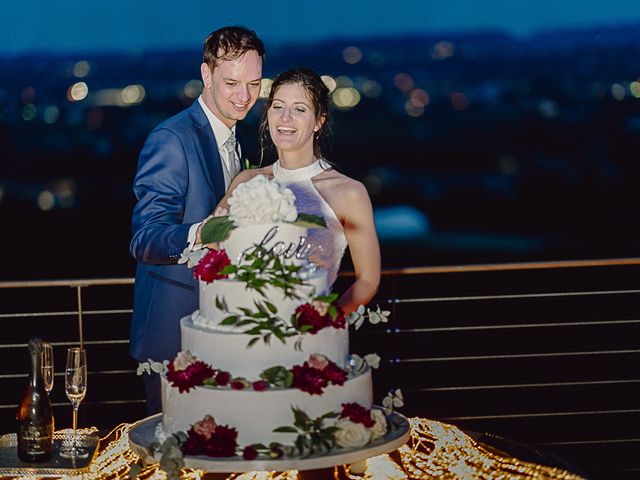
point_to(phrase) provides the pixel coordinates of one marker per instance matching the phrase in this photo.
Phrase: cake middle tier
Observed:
(228, 350)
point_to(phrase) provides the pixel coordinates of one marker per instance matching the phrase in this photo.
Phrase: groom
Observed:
(184, 169)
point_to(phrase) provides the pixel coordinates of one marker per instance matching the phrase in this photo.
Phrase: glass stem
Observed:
(75, 425)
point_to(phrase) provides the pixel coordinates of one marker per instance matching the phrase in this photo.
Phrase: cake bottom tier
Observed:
(256, 414)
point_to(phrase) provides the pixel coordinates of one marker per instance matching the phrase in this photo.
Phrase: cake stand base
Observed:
(142, 436)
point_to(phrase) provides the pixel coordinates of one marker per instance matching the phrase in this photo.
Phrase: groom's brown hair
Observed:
(228, 43)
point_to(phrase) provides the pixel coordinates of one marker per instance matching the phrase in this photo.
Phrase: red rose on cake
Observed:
(308, 379)
(207, 438)
(187, 372)
(313, 317)
(210, 266)
(316, 373)
(357, 414)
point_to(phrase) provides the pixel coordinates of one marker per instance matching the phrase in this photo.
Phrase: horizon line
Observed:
(331, 39)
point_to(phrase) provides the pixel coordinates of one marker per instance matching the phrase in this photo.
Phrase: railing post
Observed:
(394, 298)
(79, 295)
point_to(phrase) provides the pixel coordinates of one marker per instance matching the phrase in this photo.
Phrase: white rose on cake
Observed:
(351, 434)
(380, 427)
(261, 200)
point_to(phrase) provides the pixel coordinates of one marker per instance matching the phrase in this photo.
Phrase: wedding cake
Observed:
(267, 353)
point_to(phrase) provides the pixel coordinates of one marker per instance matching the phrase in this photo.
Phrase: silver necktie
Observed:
(230, 147)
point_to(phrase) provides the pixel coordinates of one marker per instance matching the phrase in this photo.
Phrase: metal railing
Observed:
(444, 364)
(81, 284)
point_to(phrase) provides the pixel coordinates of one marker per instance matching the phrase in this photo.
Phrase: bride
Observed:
(295, 121)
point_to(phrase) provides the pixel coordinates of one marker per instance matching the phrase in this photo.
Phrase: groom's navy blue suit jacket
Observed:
(178, 183)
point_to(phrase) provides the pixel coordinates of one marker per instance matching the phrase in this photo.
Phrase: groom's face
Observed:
(232, 88)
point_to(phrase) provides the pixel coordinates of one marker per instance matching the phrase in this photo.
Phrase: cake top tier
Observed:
(287, 241)
(263, 215)
(259, 201)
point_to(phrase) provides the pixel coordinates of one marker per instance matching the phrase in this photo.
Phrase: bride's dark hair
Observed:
(320, 97)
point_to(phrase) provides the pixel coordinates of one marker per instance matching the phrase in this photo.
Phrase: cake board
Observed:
(142, 435)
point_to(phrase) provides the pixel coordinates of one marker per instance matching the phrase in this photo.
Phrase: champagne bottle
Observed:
(35, 417)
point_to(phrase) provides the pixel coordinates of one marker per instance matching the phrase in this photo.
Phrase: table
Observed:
(435, 450)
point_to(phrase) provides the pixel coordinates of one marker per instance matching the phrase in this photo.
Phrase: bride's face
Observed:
(292, 119)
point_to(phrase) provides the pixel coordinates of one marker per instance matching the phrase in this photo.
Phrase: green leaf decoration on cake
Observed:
(330, 298)
(229, 270)
(221, 304)
(278, 376)
(231, 320)
(216, 229)
(272, 308)
(263, 267)
(309, 220)
(302, 420)
(171, 456)
(263, 322)
(313, 436)
(286, 430)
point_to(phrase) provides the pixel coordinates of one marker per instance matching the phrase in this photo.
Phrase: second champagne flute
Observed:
(75, 384)
(47, 366)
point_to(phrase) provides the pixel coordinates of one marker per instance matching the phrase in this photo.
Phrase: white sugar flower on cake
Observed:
(380, 427)
(261, 200)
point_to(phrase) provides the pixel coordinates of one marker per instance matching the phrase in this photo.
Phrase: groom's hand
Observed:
(212, 246)
(220, 212)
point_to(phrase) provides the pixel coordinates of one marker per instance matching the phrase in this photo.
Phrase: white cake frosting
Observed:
(256, 414)
(228, 351)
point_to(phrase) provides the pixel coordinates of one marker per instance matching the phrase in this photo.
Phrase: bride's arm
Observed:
(360, 231)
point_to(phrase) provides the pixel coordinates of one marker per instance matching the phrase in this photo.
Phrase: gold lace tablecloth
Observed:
(435, 450)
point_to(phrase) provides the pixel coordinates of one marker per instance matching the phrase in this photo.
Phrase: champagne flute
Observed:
(47, 366)
(75, 383)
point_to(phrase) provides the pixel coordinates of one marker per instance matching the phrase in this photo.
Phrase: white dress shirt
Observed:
(221, 133)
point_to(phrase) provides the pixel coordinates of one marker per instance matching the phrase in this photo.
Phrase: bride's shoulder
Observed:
(346, 186)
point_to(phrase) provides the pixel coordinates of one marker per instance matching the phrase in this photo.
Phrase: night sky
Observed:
(75, 25)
